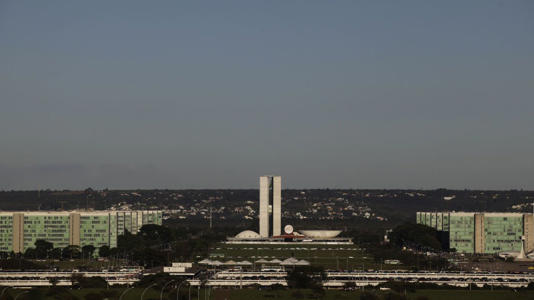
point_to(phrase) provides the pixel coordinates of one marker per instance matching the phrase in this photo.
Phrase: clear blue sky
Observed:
(360, 94)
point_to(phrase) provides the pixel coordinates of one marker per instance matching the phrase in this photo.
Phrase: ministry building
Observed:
(19, 230)
(483, 232)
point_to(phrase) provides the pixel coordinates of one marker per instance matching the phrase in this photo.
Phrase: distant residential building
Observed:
(484, 232)
(19, 230)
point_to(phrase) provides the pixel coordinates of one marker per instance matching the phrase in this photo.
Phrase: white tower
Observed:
(270, 194)
(277, 205)
(264, 206)
(522, 254)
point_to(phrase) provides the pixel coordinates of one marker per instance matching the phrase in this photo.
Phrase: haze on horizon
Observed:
(362, 94)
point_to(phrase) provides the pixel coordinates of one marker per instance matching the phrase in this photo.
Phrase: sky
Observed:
(213, 94)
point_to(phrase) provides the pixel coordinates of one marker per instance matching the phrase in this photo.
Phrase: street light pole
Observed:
(21, 294)
(164, 286)
(178, 289)
(3, 290)
(124, 292)
(146, 289)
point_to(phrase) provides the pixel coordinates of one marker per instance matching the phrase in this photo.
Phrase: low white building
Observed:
(179, 269)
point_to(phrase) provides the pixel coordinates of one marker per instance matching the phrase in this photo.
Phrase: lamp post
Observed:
(146, 289)
(178, 290)
(21, 294)
(164, 286)
(207, 293)
(3, 290)
(124, 292)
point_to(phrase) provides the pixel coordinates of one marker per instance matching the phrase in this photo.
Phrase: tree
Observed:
(30, 253)
(71, 252)
(417, 235)
(78, 280)
(104, 251)
(156, 233)
(305, 278)
(55, 253)
(54, 281)
(150, 257)
(20, 264)
(43, 248)
(75, 279)
(350, 286)
(88, 251)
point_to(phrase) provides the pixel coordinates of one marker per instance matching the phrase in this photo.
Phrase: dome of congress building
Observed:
(248, 234)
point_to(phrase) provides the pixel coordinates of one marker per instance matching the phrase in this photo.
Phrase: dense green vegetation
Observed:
(158, 245)
(154, 245)
(416, 236)
(413, 236)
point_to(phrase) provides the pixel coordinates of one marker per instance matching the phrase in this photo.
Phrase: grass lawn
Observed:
(253, 294)
(329, 256)
(113, 293)
(248, 294)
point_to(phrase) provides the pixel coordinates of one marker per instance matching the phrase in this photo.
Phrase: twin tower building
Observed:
(270, 198)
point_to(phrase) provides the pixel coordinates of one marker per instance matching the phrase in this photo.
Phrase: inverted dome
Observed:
(321, 233)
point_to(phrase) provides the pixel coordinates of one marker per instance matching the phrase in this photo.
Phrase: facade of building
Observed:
(20, 230)
(485, 232)
(270, 195)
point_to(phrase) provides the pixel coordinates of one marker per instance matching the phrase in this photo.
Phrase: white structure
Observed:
(270, 194)
(335, 279)
(288, 229)
(24, 279)
(179, 268)
(321, 234)
(247, 234)
(277, 205)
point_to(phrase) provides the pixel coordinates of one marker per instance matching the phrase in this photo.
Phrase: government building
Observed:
(19, 230)
(483, 232)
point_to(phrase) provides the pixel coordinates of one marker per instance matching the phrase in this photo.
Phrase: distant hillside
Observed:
(309, 208)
